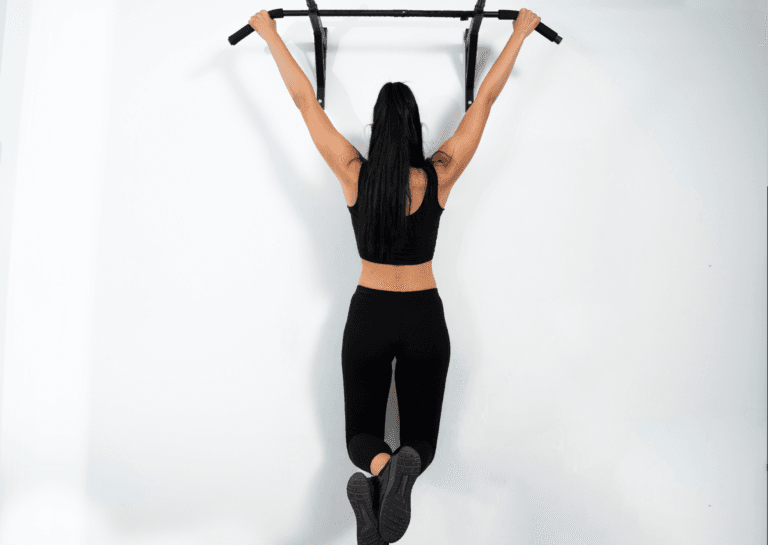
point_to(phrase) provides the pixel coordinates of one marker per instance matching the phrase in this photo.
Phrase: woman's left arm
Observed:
(294, 77)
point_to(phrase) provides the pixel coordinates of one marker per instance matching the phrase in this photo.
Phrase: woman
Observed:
(395, 199)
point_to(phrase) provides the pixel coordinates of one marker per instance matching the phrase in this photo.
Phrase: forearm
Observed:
(499, 73)
(294, 77)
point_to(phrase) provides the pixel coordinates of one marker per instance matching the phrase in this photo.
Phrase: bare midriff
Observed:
(397, 277)
(379, 276)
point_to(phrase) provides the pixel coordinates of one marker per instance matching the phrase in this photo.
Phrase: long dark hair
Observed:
(396, 146)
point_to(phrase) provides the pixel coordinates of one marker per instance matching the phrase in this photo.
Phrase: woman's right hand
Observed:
(526, 22)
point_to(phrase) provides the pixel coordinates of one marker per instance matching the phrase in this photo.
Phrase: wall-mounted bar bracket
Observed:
(470, 35)
(470, 52)
(321, 49)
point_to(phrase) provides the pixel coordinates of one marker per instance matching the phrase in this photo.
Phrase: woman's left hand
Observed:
(263, 24)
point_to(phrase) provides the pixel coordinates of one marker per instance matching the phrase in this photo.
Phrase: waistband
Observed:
(382, 294)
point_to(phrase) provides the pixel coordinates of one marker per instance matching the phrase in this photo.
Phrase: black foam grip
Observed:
(542, 29)
(248, 29)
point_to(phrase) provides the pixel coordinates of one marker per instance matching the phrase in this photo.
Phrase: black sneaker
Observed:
(360, 491)
(396, 480)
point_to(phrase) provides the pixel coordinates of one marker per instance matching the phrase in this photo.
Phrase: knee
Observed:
(429, 452)
(425, 449)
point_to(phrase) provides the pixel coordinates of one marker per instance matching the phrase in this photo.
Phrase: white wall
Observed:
(177, 262)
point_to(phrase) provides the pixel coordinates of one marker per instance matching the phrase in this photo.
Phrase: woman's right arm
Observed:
(497, 77)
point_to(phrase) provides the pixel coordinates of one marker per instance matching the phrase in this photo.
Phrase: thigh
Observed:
(368, 350)
(423, 357)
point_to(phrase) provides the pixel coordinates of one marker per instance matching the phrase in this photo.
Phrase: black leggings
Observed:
(383, 325)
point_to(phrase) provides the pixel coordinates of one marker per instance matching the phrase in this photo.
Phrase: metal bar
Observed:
(463, 15)
(470, 34)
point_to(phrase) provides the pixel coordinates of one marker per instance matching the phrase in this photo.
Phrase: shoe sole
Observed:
(395, 510)
(360, 494)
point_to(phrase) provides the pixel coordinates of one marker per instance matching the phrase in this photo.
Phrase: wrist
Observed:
(518, 36)
(271, 37)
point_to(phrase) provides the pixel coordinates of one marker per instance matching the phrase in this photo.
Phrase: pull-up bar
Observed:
(470, 34)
